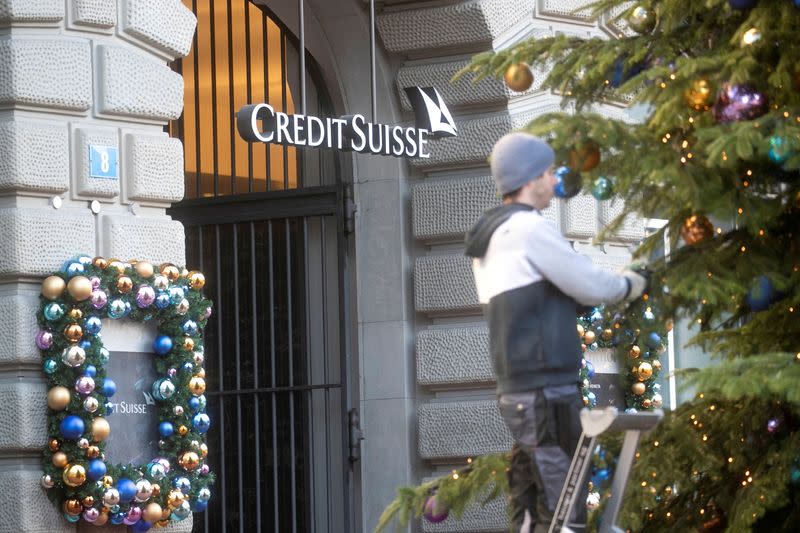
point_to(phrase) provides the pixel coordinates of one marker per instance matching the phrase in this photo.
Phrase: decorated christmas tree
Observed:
(715, 152)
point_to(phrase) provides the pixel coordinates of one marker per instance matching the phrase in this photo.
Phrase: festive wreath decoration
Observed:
(76, 474)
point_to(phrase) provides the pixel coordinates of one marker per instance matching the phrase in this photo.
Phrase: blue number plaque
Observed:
(103, 162)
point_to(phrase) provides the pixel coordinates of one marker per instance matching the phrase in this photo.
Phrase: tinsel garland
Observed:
(76, 474)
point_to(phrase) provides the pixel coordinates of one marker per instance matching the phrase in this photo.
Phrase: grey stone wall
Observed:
(75, 74)
(450, 190)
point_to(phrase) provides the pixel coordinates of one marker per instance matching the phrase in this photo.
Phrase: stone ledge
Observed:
(34, 157)
(46, 73)
(454, 356)
(36, 242)
(461, 429)
(444, 284)
(166, 24)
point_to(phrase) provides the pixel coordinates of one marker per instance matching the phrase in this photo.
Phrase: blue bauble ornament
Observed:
(117, 518)
(162, 300)
(162, 345)
(72, 427)
(589, 370)
(50, 366)
(203, 401)
(176, 295)
(109, 408)
(653, 340)
(201, 423)
(85, 344)
(104, 356)
(141, 526)
(198, 506)
(85, 260)
(794, 475)
(761, 295)
(109, 388)
(182, 484)
(187, 367)
(621, 73)
(592, 399)
(96, 470)
(127, 489)
(190, 327)
(602, 188)
(742, 4)
(204, 494)
(568, 183)
(779, 149)
(53, 311)
(117, 308)
(90, 371)
(73, 269)
(163, 389)
(181, 512)
(602, 474)
(71, 517)
(165, 429)
(194, 403)
(93, 325)
(597, 316)
(648, 315)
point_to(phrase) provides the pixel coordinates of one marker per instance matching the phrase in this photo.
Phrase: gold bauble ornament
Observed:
(160, 282)
(144, 269)
(100, 262)
(80, 288)
(88, 501)
(607, 334)
(162, 523)
(73, 332)
(75, 314)
(54, 445)
(699, 95)
(189, 460)
(696, 228)
(638, 388)
(197, 280)
(59, 459)
(53, 287)
(581, 331)
(92, 452)
(635, 351)
(519, 77)
(152, 512)
(74, 475)
(201, 372)
(589, 337)
(644, 371)
(170, 271)
(107, 481)
(584, 157)
(100, 429)
(117, 265)
(642, 20)
(656, 365)
(188, 343)
(203, 449)
(124, 284)
(184, 272)
(197, 385)
(751, 36)
(183, 430)
(72, 506)
(102, 519)
(175, 498)
(58, 398)
(156, 490)
(647, 403)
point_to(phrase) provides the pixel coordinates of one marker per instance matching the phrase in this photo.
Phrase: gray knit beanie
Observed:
(518, 158)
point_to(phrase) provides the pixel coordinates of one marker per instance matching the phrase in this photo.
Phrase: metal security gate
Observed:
(276, 354)
(267, 225)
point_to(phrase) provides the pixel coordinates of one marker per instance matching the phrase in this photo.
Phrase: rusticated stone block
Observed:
(444, 283)
(483, 518)
(461, 429)
(20, 327)
(24, 401)
(579, 217)
(154, 168)
(31, 11)
(462, 92)
(632, 228)
(34, 157)
(165, 24)
(471, 23)
(454, 356)
(46, 72)
(27, 509)
(36, 242)
(85, 184)
(158, 240)
(569, 10)
(132, 84)
(97, 13)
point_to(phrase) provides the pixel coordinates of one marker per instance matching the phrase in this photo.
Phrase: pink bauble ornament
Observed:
(44, 339)
(99, 299)
(204, 470)
(145, 296)
(163, 462)
(207, 313)
(91, 514)
(433, 512)
(95, 281)
(134, 514)
(84, 385)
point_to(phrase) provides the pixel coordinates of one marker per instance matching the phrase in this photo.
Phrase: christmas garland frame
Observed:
(76, 474)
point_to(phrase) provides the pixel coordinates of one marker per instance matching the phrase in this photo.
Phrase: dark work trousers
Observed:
(545, 424)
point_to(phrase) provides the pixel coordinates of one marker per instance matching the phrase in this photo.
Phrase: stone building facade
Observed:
(75, 73)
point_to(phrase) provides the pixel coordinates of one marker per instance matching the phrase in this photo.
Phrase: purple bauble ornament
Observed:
(204, 470)
(145, 296)
(433, 512)
(134, 514)
(95, 281)
(84, 385)
(44, 339)
(99, 299)
(91, 514)
(171, 372)
(773, 424)
(207, 313)
(163, 462)
(739, 102)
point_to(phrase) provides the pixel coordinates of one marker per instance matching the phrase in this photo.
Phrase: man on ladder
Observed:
(531, 283)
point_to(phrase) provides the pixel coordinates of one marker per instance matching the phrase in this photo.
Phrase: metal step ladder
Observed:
(595, 422)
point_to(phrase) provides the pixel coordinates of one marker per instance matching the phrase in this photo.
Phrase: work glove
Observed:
(637, 284)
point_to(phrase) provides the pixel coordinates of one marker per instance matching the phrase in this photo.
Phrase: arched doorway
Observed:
(267, 225)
